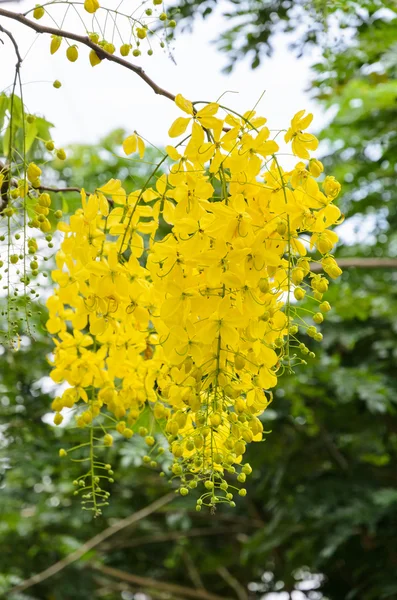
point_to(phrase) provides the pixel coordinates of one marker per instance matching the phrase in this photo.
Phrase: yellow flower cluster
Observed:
(200, 322)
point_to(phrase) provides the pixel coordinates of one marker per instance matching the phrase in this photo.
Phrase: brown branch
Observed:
(97, 539)
(360, 263)
(45, 188)
(146, 582)
(176, 535)
(102, 54)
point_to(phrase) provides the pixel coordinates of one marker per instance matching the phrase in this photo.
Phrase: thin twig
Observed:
(148, 583)
(5, 168)
(45, 188)
(102, 54)
(97, 539)
(176, 535)
(241, 592)
(193, 571)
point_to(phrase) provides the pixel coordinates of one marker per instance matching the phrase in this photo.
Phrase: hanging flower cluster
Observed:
(197, 323)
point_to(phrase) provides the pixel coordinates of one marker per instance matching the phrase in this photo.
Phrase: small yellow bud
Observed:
(61, 154)
(331, 187)
(264, 285)
(57, 84)
(50, 145)
(56, 41)
(120, 427)
(215, 419)
(315, 167)
(94, 58)
(62, 453)
(33, 172)
(141, 33)
(128, 433)
(318, 318)
(94, 37)
(58, 418)
(163, 17)
(108, 440)
(38, 12)
(297, 276)
(299, 293)
(282, 228)
(91, 6)
(125, 49)
(72, 53)
(325, 307)
(45, 200)
(109, 47)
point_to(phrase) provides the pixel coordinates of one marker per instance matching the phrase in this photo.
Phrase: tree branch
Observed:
(364, 263)
(90, 544)
(176, 535)
(102, 54)
(241, 592)
(146, 582)
(4, 168)
(45, 188)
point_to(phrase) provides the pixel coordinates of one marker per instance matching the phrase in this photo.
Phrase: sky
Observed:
(93, 101)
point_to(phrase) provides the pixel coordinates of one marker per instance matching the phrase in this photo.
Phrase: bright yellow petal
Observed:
(130, 144)
(178, 127)
(184, 104)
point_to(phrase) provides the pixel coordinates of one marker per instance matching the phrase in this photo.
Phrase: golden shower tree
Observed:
(179, 300)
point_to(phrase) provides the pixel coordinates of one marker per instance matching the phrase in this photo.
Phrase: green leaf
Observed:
(43, 128)
(4, 101)
(30, 135)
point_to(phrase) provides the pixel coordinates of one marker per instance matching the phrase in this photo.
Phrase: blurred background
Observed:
(320, 518)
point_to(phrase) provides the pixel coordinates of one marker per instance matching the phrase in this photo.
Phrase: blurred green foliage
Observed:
(321, 510)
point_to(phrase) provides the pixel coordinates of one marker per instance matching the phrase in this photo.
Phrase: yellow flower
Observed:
(301, 142)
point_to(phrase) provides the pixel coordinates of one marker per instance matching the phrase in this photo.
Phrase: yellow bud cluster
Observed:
(199, 323)
(139, 31)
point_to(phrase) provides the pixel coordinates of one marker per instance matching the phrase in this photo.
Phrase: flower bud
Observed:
(125, 49)
(91, 6)
(315, 167)
(94, 58)
(72, 53)
(38, 12)
(56, 41)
